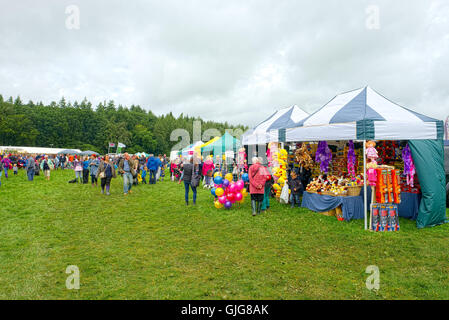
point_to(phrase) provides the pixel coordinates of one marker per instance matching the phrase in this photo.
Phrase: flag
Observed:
(111, 144)
(119, 147)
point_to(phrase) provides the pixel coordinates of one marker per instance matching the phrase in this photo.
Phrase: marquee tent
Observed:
(190, 150)
(225, 143)
(364, 114)
(35, 150)
(267, 130)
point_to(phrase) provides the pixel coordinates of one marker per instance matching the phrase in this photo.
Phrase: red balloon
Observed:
(231, 197)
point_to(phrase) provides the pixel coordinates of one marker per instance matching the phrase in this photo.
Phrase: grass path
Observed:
(149, 245)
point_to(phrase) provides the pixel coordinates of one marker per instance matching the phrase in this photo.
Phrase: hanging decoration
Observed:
(351, 159)
(409, 165)
(323, 156)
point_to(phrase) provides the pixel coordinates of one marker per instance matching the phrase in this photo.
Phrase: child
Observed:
(15, 169)
(143, 174)
(296, 188)
(235, 172)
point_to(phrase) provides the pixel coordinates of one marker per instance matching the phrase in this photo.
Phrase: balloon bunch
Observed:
(409, 165)
(280, 171)
(227, 191)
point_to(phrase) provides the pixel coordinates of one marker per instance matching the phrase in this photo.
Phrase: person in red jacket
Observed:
(257, 179)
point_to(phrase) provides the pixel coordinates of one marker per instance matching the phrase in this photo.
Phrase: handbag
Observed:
(195, 180)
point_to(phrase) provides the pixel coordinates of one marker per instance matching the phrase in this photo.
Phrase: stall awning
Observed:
(364, 114)
(267, 130)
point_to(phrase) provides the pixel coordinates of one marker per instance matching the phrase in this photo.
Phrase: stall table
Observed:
(352, 207)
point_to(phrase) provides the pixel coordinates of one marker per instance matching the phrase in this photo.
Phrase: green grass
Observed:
(149, 245)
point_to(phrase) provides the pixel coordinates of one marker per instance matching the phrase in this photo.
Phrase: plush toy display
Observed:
(303, 157)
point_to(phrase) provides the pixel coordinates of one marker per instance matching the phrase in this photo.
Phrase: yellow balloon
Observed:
(276, 186)
(228, 177)
(244, 192)
(219, 192)
(217, 174)
(218, 205)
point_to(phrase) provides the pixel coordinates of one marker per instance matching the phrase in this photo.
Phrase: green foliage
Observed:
(79, 125)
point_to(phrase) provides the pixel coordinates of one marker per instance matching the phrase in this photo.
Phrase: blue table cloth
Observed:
(408, 208)
(352, 207)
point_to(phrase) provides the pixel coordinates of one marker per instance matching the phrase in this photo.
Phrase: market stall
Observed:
(267, 131)
(363, 114)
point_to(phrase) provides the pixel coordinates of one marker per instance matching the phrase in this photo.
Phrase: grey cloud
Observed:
(229, 61)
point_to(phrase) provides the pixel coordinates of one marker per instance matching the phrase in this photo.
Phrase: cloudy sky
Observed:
(237, 61)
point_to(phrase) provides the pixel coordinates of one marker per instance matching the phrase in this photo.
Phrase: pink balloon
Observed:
(232, 188)
(240, 185)
(238, 196)
(222, 199)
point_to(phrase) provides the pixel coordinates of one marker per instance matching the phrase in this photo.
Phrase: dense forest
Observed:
(82, 126)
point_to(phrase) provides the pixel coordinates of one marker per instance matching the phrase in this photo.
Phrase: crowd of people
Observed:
(191, 171)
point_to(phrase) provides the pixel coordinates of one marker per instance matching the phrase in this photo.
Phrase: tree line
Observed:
(82, 126)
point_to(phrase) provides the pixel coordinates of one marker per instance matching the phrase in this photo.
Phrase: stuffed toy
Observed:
(303, 157)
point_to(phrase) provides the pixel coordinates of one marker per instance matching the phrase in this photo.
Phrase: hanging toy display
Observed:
(371, 154)
(303, 157)
(351, 159)
(409, 166)
(323, 156)
(241, 160)
(279, 170)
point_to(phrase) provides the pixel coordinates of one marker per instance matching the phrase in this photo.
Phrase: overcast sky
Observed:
(235, 61)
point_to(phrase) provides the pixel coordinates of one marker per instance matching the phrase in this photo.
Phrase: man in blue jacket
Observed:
(153, 164)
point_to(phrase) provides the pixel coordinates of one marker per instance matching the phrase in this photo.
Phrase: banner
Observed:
(111, 144)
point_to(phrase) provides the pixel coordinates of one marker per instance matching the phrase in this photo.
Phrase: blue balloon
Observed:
(212, 191)
(245, 177)
(225, 183)
(218, 180)
(228, 205)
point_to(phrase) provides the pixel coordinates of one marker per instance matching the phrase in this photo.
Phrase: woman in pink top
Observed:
(208, 165)
(257, 179)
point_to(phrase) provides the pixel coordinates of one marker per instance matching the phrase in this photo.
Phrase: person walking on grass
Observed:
(30, 167)
(126, 168)
(1, 172)
(93, 167)
(153, 165)
(86, 163)
(46, 166)
(6, 163)
(257, 179)
(191, 179)
(78, 168)
(106, 171)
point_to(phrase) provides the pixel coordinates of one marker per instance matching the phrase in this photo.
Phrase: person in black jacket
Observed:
(191, 179)
(296, 188)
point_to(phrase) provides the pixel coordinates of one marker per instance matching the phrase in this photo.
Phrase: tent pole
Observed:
(364, 186)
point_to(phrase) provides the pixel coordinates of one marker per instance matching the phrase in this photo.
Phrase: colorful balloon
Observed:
(219, 192)
(238, 196)
(218, 205)
(212, 191)
(228, 176)
(216, 174)
(218, 180)
(240, 185)
(228, 205)
(232, 188)
(231, 197)
(225, 183)
(222, 199)
(245, 177)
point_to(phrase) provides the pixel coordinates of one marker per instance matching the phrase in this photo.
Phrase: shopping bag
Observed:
(284, 194)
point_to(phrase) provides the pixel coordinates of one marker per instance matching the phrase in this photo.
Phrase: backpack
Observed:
(46, 167)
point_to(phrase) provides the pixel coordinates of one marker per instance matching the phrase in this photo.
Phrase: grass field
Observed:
(149, 245)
